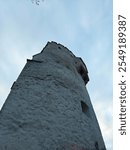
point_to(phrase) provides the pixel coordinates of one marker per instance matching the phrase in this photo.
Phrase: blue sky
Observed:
(85, 27)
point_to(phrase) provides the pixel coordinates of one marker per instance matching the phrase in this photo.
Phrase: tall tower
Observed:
(48, 107)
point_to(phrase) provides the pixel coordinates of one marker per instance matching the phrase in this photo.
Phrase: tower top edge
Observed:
(59, 52)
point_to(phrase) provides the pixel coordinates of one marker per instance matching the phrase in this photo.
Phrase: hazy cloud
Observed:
(85, 27)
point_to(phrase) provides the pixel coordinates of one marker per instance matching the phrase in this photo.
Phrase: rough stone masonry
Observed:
(48, 107)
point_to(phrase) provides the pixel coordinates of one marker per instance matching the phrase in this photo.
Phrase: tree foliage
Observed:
(37, 2)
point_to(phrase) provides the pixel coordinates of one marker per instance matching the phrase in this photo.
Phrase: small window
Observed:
(84, 107)
(96, 145)
(81, 70)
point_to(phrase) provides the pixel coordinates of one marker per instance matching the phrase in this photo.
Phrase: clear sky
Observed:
(83, 26)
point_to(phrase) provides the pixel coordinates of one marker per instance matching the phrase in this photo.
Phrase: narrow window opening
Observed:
(81, 70)
(96, 145)
(83, 74)
(84, 107)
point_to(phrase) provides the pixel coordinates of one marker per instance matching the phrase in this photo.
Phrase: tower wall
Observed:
(48, 107)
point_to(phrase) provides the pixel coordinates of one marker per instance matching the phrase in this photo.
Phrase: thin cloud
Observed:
(81, 26)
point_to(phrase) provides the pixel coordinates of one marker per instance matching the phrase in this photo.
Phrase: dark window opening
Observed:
(96, 145)
(59, 47)
(84, 107)
(81, 70)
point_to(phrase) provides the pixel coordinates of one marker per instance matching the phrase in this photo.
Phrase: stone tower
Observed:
(48, 107)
